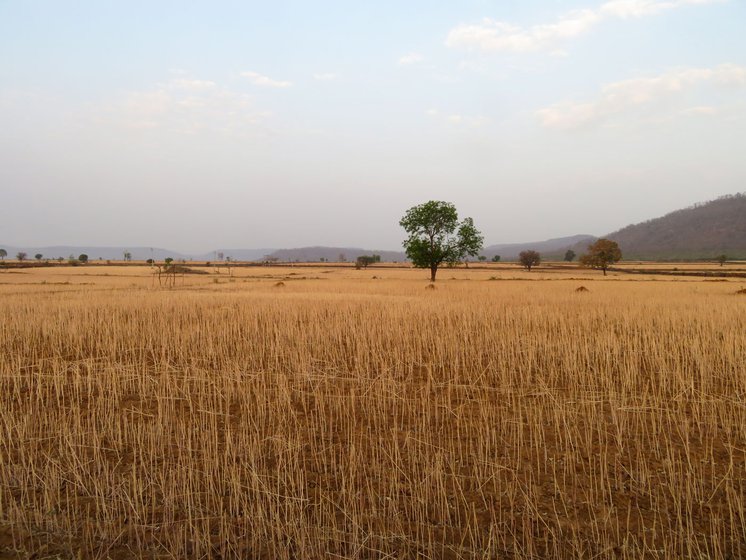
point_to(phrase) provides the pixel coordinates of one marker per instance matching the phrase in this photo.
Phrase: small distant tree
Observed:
(496, 258)
(21, 256)
(38, 256)
(150, 261)
(436, 236)
(342, 257)
(168, 261)
(60, 259)
(602, 254)
(221, 255)
(482, 258)
(529, 259)
(83, 258)
(570, 255)
(127, 256)
(722, 259)
(363, 261)
(3, 254)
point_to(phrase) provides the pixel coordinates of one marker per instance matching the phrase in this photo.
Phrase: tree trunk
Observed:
(433, 270)
(604, 269)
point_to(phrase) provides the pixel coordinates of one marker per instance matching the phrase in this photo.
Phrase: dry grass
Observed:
(348, 417)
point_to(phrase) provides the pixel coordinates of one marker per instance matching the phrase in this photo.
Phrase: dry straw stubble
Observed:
(364, 419)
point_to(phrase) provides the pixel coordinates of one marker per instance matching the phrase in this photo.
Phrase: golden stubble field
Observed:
(339, 415)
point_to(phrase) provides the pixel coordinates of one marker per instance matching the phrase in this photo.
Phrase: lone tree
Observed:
(21, 256)
(722, 259)
(127, 256)
(38, 256)
(3, 254)
(529, 259)
(436, 236)
(496, 258)
(602, 254)
(363, 261)
(570, 255)
(83, 258)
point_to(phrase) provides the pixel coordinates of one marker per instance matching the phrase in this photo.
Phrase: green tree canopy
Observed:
(436, 236)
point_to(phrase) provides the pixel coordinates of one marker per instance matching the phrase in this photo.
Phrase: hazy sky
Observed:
(195, 125)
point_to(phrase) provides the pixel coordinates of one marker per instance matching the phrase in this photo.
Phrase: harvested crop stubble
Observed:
(366, 419)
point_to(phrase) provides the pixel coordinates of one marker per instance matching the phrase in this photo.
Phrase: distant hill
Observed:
(334, 254)
(702, 231)
(551, 248)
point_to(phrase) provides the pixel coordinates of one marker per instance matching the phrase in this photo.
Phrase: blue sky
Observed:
(245, 124)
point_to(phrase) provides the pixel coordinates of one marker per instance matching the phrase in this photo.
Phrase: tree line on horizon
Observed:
(436, 236)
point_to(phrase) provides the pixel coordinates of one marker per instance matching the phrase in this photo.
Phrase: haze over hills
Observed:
(702, 231)
(334, 254)
(94, 253)
(137, 253)
(558, 246)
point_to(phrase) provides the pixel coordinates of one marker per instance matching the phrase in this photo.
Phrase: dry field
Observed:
(336, 415)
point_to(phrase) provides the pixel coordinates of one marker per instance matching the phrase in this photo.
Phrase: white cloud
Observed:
(620, 96)
(410, 58)
(498, 36)
(185, 107)
(265, 81)
(325, 77)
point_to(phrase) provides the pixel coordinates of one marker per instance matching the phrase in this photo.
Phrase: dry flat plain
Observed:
(502, 414)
